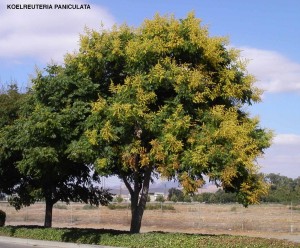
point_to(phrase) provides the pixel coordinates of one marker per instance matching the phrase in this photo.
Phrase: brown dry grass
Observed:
(267, 220)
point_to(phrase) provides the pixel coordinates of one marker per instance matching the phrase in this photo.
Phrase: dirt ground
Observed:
(267, 220)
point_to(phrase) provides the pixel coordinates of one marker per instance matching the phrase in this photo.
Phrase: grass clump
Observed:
(89, 207)
(117, 206)
(159, 207)
(145, 240)
(60, 206)
(233, 209)
(294, 208)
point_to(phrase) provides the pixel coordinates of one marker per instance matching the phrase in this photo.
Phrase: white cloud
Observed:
(274, 72)
(287, 139)
(46, 34)
(283, 156)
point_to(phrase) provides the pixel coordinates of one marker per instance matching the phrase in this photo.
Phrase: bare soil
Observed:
(267, 220)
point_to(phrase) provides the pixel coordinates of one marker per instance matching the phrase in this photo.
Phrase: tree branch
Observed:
(146, 184)
(127, 184)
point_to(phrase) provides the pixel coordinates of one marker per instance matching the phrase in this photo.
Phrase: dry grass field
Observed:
(267, 220)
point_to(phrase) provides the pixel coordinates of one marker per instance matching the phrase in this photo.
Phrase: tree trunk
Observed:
(136, 220)
(138, 200)
(48, 213)
(137, 211)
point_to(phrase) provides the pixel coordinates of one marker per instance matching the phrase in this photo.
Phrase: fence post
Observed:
(71, 213)
(292, 227)
(99, 219)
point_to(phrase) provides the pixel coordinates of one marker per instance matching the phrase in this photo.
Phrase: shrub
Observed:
(187, 198)
(174, 198)
(117, 206)
(119, 199)
(60, 206)
(294, 208)
(89, 207)
(233, 209)
(160, 198)
(177, 193)
(159, 206)
(2, 218)
(198, 198)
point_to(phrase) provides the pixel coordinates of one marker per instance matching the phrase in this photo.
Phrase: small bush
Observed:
(119, 199)
(233, 209)
(294, 208)
(159, 206)
(187, 198)
(60, 206)
(117, 206)
(2, 218)
(174, 198)
(89, 207)
(160, 198)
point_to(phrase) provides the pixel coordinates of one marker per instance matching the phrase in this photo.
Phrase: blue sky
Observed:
(267, 33)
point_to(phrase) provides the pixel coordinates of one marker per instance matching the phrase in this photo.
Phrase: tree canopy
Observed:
(171, 104)
(36, 145)
(11, 100)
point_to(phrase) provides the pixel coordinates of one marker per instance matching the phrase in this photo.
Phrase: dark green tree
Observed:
(160, 198)
(282, 189)
(11, 100)
(53, 118)
(297, 190)
(220, 196)
(175, 195)
(225, 197)
(171, 103)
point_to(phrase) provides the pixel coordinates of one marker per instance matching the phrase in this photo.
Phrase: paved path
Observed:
(8, 242)
(24, 245)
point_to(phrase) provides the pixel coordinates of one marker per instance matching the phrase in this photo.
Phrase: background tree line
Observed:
(282, 190)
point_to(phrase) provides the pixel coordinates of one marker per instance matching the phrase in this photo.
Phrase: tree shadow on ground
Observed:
(73, 235)
(11, 230)
(88, 235)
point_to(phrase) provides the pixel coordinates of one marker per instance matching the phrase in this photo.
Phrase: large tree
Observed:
(11, 100)
(171, 104)
(37, 144)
